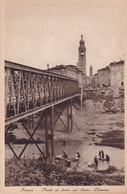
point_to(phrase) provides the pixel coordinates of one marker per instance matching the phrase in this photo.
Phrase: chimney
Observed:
(47, 66)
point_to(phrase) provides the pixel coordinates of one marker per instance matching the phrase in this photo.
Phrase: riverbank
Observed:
(97, 125)
(35, 172)
(113, 138)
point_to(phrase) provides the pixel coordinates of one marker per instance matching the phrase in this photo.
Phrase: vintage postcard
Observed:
(63, 83)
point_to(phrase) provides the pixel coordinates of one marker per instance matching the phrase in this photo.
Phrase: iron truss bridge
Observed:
(30, 91)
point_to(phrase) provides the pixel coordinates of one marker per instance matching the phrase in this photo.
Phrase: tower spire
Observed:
(91, 70)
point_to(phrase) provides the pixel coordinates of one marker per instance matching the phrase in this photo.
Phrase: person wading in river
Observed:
(77, 155)
(107, 158)
(96, 161)
(102, 153)
(64, 143)
(64, 155)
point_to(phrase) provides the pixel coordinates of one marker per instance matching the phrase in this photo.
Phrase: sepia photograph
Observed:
(64, 94)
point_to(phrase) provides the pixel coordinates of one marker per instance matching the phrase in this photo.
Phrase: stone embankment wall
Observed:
(103, 93)
(104, 106)
(105, 99)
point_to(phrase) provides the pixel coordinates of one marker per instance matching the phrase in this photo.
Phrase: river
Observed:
(88, 152)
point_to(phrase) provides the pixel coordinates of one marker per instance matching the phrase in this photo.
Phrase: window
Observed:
(121, 83)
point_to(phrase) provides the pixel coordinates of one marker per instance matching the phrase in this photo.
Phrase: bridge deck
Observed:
(36, 110)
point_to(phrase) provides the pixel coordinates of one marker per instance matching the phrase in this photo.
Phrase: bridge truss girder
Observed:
(55, 115)
(27, 89)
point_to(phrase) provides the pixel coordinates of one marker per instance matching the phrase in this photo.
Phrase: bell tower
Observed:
(82, 56)
(91, 71)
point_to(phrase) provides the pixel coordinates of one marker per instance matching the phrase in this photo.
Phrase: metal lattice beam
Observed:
(28, 89)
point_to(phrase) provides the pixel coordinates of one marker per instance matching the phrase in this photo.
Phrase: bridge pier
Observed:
(52, 132)
(68, 124)
(46, 136)
(81, 97)
(31, 121)
(69, 115)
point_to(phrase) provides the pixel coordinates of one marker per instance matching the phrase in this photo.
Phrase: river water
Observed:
(88, 152)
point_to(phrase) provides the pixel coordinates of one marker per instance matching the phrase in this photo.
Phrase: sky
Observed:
(37, 34)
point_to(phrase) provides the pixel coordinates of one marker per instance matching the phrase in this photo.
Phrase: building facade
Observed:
(68, 70)
(112, 75)
(104, 76)
(96, 79)
(117, 73)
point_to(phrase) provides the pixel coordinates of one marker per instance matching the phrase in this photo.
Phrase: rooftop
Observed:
(121, 62)
(64, 67)
(104, 69)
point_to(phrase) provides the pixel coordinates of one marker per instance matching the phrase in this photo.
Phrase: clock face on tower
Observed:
(82, 54)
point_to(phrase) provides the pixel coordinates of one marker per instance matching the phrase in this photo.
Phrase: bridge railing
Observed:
(27, 88)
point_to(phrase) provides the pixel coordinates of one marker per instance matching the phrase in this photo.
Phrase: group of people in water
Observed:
(76, 157)
(101, 157)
